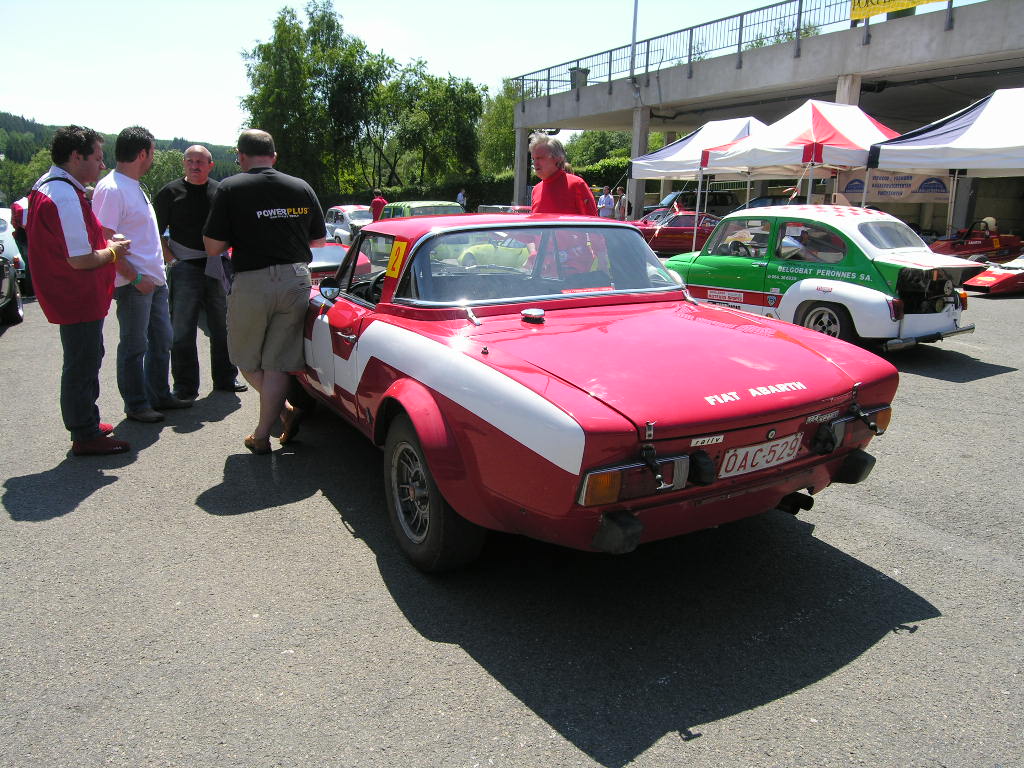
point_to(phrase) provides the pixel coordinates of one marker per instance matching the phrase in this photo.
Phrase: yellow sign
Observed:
(397, 258)
(861, 9)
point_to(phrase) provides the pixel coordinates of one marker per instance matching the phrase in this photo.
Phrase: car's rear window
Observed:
(361, 216)
(890, 234)
(525, 263)
(435, 210)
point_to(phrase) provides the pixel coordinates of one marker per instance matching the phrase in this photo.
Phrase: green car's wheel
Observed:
(432, 535)
(831, 319)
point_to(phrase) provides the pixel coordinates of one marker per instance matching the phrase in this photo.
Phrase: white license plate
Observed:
(751, 458)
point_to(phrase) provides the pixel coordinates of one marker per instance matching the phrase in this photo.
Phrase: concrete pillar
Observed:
(635, 187)
(521, 168)
(666, 184)
(848, 89)
(963, 203)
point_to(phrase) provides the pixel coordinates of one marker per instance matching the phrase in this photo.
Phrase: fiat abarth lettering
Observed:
(547, 376)
(851, 273)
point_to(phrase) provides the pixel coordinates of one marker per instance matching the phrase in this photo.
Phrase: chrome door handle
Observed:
(759, 263)
(349, 337)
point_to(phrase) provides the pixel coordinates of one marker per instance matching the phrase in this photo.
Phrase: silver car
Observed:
(345, 221)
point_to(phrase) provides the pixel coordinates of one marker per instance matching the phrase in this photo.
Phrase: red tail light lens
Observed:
(895, 309)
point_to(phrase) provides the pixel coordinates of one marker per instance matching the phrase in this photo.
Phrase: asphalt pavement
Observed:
(190, 604)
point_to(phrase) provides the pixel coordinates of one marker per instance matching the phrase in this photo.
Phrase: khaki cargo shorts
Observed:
(266, 313)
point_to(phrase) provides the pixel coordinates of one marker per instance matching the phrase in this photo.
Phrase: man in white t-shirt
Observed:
(606, 204)
(144, 350)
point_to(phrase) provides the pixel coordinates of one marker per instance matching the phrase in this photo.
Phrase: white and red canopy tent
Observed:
(681, 159)
(818, 133)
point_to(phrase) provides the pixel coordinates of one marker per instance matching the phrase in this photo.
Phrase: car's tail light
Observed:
(895, 309)
(963, 299)
(633, 481)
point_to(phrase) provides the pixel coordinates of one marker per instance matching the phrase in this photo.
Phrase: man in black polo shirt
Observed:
(194, 280)
(271, 220)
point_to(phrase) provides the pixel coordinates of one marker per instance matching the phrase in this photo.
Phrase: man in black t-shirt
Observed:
(195, 281)
(271, 220)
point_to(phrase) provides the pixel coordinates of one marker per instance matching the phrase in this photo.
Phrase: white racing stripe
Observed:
(507, 405)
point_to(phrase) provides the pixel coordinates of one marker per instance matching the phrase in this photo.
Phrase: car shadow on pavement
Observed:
(935, 362)
(616, 653)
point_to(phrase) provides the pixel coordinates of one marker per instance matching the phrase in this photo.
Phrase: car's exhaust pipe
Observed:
(619, 533)
(794, 502)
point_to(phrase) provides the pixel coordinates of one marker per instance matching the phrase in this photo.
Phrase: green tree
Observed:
(167, 166)
(590, 147)
(312, 87)
(497, 131)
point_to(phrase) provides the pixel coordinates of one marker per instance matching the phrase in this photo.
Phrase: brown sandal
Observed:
(258, 445)
(290, 421)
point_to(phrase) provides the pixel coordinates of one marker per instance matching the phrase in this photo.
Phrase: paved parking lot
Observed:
(190, 604)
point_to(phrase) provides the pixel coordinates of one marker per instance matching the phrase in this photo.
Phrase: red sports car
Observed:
(561, 384)
(999, 278)
(674, 233)
(979, 242)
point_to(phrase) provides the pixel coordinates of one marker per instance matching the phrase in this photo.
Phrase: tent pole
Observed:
(952, 200)
(696, 217)
(864, 193)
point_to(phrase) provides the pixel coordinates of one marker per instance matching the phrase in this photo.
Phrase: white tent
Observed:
(681, 158)
(985, 139)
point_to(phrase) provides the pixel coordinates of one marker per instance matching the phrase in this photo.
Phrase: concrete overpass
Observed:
(905, 72)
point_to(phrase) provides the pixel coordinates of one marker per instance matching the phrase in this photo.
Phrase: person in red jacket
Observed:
(74, 267)
(558, 191)
(377, 204)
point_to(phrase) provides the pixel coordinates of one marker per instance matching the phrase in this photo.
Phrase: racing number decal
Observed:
(397, 258)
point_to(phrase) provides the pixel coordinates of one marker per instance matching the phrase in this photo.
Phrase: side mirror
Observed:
(329, 288)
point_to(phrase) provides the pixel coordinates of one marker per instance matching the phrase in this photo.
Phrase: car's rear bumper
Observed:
(890, 345)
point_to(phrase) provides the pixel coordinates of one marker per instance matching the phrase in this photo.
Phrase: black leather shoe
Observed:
(234, 386)
(186, 395)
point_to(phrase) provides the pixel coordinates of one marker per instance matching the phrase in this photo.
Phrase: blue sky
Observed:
(176, 67)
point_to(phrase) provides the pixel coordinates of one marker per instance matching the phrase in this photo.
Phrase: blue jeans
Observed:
(190, 291)
(144, 349)
(80, 378)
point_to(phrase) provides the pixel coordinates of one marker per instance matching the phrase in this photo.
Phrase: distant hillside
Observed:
(21, 138)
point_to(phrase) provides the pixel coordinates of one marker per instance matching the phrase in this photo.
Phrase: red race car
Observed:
(999, 278)
(561, 384)
(674, 233)
(980, 242)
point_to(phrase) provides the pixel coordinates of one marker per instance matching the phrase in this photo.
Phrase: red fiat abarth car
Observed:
(561, 384)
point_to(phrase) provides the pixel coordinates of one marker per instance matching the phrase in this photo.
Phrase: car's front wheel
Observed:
(831, 319)
(432, 535)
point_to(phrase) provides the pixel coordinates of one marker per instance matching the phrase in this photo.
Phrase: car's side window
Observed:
(360, 271)
(803, 241)
(747, 238)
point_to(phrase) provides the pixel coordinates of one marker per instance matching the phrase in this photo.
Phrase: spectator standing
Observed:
(74, 277)
(19, 221)
(621, 204)
(558, 191)
(606, 204)
(144, 348)
(377, 204)
(194, 280)
(461, 198)
(271, 220)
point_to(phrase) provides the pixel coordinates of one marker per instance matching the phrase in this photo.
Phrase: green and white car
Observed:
(853, 273)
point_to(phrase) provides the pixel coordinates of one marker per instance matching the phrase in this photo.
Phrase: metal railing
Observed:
(783, 22)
